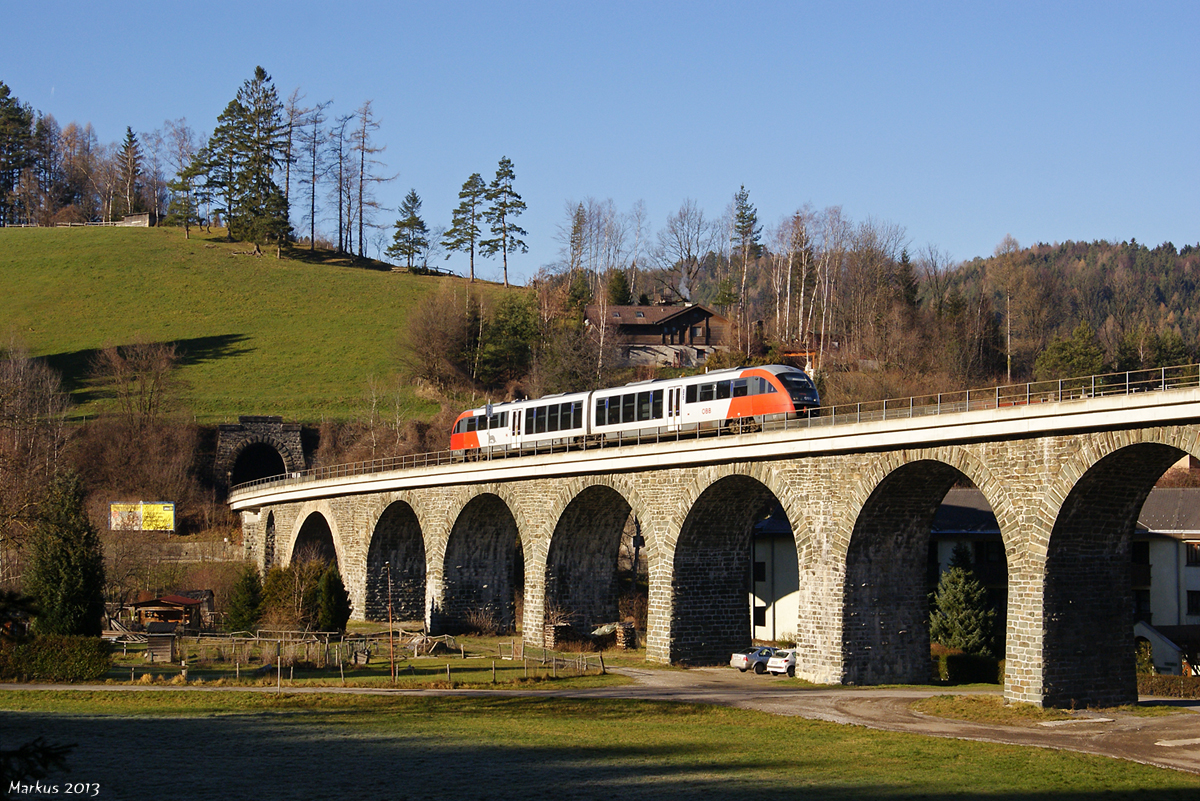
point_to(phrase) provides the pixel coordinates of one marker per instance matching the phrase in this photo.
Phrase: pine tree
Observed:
(619, 293)
(747, 234)
(463, 234)
(333, 602)
(505, 206)
(16, 151)
(412, 235)
(962, 618)
(66, 564)
(245, 601)
(246, 150)
(129, 165)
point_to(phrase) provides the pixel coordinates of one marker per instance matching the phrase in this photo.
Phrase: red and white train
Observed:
(715, 400)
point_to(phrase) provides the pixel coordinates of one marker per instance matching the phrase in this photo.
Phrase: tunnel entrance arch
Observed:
(257, 460)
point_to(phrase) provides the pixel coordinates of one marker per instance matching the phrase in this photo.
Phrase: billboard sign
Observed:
(141, 516)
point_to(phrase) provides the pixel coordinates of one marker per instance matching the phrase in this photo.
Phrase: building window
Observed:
(1193, 603)
(641, 314)
(760, 571)
(1193, 553)
(760, 615)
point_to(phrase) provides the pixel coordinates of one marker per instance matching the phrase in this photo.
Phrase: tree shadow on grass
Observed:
(304, 754)
(75, 367)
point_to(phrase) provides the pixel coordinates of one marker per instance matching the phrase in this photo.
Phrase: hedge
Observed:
(55, 658)
(958, 668)
(1169, 686)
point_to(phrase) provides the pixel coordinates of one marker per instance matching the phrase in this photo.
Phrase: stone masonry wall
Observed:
(859, 520)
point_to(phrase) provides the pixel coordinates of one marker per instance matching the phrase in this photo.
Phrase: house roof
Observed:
(645, 315)
(1174, 512)
(167, 600)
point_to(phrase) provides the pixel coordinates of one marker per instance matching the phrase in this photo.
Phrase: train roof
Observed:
(774, 369)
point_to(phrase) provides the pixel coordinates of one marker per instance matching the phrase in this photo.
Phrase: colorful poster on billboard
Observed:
(125, 516)
(141, 516)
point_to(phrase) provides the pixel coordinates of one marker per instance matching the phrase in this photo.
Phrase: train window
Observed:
(614, 410)
(691, 393)
(740, 387)
(552, 418)
(577, 415)
(471, 423)
(657, 412)
(643, 406)
(770, 387)
(601, 412)
(502, 420)
(529, 421)
(627, 410)
(722, 390)
(707, 392)
(539, 420)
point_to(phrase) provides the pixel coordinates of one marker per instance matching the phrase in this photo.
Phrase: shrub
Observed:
(1169, 686)
(56, 658)
(954, 667)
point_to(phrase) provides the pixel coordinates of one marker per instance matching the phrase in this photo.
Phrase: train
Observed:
(734, 399)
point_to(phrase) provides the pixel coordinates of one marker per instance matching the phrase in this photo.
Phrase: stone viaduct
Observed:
(1066, 481)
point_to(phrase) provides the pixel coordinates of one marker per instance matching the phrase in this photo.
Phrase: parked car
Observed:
(755, 658)
(782, 661)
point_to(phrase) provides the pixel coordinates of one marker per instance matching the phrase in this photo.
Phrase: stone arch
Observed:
(958, 458)
(396, 565)
(581, 559)
(886, 559)
(257, 459)
(256, 433)
(482, 565)
(710, 561)
(1088, 655)
(322, 529)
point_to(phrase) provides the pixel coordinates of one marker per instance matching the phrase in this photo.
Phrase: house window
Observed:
(760, 615)
(616, 314)
(641, 314)
(1193, 603)
(1193, 553)
(760, 571)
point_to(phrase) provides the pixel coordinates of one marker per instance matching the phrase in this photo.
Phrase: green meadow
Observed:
(299, 746)
(303, 337)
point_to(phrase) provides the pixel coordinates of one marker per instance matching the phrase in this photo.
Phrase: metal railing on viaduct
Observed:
(534, 541)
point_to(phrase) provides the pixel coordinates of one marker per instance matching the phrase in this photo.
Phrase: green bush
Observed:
(55, 658)
(1169, 686)
(958, 668)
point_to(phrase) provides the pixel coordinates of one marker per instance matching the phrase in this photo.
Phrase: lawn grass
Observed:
(994, 709)
(299, 337)
(333, 746)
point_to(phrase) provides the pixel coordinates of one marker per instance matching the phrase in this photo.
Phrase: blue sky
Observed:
(960, 122)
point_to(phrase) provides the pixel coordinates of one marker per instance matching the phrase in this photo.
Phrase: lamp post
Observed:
(391, 644)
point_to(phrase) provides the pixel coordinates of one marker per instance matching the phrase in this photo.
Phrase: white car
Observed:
(782, 661)
(752, 658)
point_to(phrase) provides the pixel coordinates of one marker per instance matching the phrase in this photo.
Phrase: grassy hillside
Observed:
(258, 335)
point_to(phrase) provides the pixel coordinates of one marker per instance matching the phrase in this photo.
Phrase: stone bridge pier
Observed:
(538, 538)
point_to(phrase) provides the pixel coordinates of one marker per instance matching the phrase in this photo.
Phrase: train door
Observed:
(674, 408)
